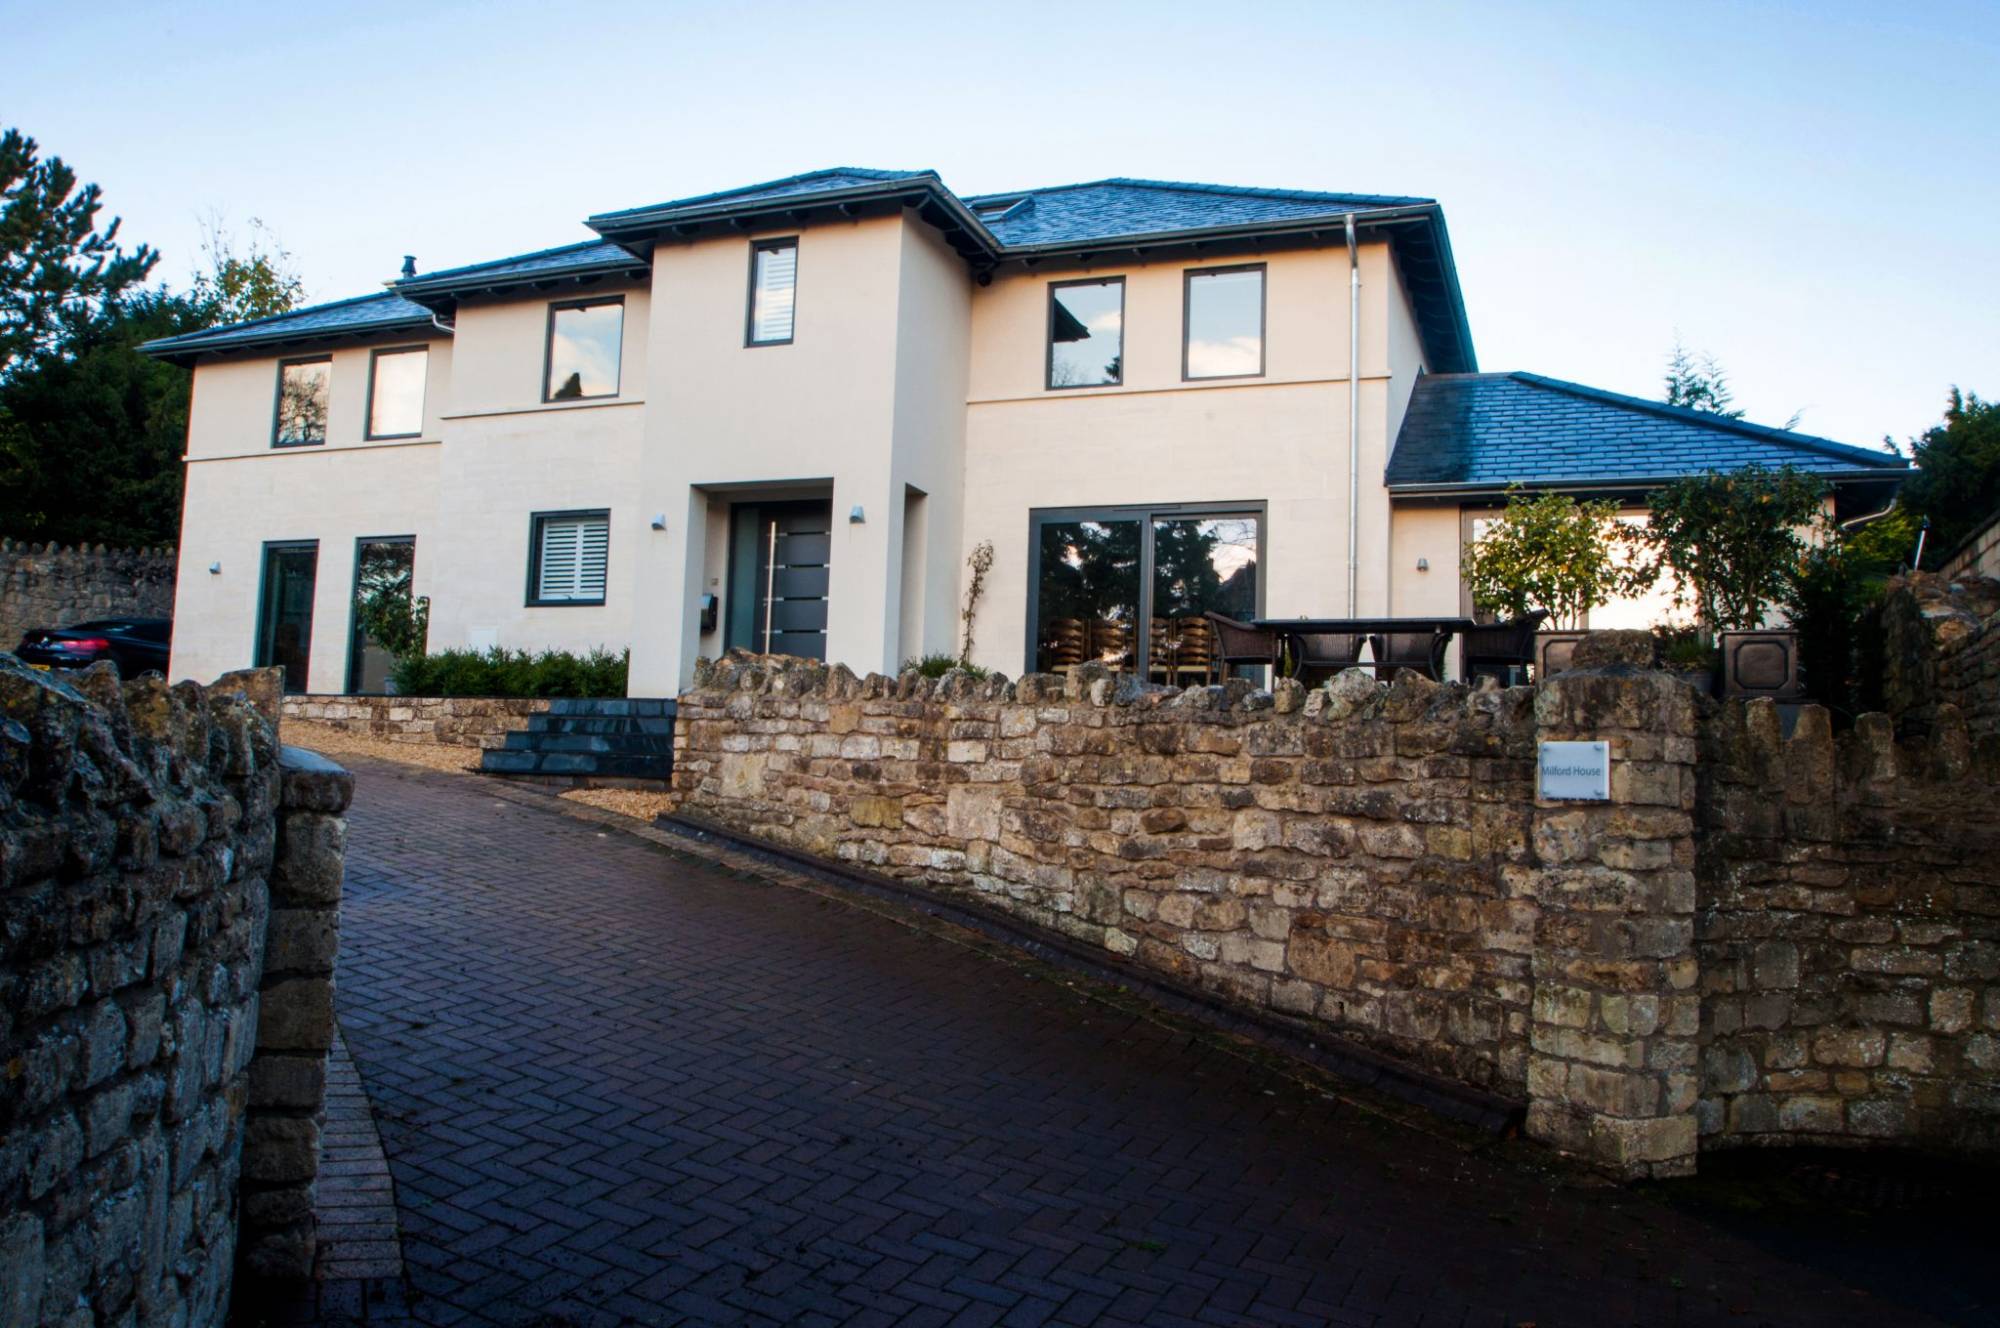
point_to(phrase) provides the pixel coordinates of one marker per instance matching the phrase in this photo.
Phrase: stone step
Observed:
(623, 765)
(662, 724)
(633, 744)
(621, 706)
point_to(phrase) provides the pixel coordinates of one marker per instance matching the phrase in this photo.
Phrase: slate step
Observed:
(638, 707)
(621, 737)
(633, 744)
(663, 724)
(501, 762)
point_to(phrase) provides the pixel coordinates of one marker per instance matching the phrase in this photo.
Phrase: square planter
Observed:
(1761, 663)
(1552, 652)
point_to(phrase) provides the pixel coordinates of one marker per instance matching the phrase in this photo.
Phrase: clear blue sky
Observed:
(1809, 191)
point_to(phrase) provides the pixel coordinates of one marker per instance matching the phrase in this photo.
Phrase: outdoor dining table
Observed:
(1297, 628)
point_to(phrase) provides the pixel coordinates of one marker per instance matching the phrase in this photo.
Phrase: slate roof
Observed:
(1484, 432)
(1110, 209)
(559, 261)
(832, 179)
(362, 316)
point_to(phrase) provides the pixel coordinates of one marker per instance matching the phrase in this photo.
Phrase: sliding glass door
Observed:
(1128, 587)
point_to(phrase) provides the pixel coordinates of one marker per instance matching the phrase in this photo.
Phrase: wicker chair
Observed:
(1065, 644)
(1422, 651)
(1181, 648)
(1239, 643)
(1499, 649)
(1327, 652)
(1111, 642)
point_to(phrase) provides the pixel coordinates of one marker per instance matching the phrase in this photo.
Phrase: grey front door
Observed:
(778, 577)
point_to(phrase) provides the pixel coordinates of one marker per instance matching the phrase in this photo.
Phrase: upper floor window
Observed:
(585, 339)
(1223, 334)
(396, 392)
(567, 554)
(1087, 332)
(302, 392)
(774, 284)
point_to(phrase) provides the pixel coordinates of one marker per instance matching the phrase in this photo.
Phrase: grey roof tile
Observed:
(1108, 209)
(543, 262)
(366, 313)
(1487, 431)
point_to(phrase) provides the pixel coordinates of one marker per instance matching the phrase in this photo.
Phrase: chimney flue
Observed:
(409, 266)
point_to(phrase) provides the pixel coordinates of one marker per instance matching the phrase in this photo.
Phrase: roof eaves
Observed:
(1571, 483)
(278, 329)
(756, 196)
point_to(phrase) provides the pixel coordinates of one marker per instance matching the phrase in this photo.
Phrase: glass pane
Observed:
(1086, 334)
(1200, 565)
(583, 351)
(284, 635)
(382, 586)
(397, 406)
(302, 390)
(773, 286)
(1225, 324)
(1087, 605)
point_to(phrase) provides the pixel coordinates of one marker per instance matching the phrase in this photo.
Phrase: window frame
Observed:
(1145, 514)
(549, 349)
(278, 401)
(536, 522)
(750, 341)
(354, 632)
(264, 552)
(1049, 335)
(1188, 276)
(368, 433)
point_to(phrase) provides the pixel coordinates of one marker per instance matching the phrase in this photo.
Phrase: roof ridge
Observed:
(591, 243)
(1787, 437)
(865, 172)
(1197, 186)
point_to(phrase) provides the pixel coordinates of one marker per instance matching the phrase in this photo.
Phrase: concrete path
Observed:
(619, 1086)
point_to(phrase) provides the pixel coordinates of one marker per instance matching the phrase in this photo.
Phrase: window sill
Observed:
(565, 604)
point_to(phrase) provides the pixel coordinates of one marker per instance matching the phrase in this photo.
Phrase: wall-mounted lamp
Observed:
(659, 521)
(215, 569)
(855, 515)
(1423, 564)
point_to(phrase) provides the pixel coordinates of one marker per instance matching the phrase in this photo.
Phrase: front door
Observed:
(778, 577)
(285, 617)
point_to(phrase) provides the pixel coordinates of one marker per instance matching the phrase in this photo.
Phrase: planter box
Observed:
(1552, 652)
(1763, 663)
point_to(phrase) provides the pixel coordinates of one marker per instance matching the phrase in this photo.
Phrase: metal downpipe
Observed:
(1353, 423)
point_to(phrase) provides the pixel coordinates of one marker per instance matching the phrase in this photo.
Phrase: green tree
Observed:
(57, 269)
(1698, 383)
(1731, 539)
(1957, 480)
(259, 281)
(1555, 554)
(1838, 575)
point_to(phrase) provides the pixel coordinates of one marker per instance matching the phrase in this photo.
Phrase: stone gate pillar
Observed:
(1612, 1068)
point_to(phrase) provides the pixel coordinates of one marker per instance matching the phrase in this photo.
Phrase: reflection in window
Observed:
(774, 273)
(584, 343)
(396, 393)
(384, 598)
(1087, 333)
(1225, 323)
(302, 392)
(1088, 602)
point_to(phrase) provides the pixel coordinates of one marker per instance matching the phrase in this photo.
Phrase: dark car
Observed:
(135, 645)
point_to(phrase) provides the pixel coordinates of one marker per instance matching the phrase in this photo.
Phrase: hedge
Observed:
(498, 672)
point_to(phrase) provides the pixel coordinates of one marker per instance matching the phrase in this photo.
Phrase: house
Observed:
(782, 417)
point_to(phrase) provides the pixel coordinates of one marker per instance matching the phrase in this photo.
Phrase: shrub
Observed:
(498, 672)
(1732, 539)
(936, 666)
(1552, 553)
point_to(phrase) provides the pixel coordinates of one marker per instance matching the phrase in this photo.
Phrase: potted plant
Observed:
(1554, 554)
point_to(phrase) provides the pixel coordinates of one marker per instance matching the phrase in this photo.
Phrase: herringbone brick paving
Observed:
(616, 1086)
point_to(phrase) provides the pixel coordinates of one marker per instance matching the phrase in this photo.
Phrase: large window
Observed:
(396, 392)
(584, 344)
(1127, 587)
(1087, 333)
(774, 286)
(566, 557)
(1223, 331)
(302, 393)
(383, 593)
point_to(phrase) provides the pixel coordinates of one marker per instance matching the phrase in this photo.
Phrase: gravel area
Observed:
(638, 804)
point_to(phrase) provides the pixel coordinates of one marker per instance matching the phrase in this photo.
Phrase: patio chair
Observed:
(1111, 642)
(1422, 651)
(1064, 645)
(1327, 651)
(1500, 649)
(1239, 643)
(1180, 647)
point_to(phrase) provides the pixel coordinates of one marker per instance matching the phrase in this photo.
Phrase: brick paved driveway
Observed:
(615, 1086)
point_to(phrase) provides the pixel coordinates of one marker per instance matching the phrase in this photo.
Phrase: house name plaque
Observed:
(1574, 772)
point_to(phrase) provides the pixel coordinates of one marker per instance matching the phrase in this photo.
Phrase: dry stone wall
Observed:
(144, 832)
(1373, 861)
(48, 585)
(1940, 640)
(445, 721)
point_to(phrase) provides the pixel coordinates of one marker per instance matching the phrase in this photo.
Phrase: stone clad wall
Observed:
(1373, 860)
(1849, 933)
(447, 721)
(141, 827)
(1940, 640)
(46, 585)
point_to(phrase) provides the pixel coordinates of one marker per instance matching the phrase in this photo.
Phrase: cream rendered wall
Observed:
(723, 414)
(1280, 440)
(508, 455)
(241, 493)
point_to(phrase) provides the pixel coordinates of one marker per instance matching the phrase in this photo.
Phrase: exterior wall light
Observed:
(659, 521)
(855, 515)
(1423, 564)
(215, 569)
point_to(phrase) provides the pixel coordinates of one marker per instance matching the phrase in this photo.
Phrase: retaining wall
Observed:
(47, 585)
(1940, 640)
(453, 721)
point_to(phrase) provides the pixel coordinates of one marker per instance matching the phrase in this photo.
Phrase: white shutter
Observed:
(777, 283)
(573, 556)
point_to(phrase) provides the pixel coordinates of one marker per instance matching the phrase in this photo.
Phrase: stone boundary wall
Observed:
(1372, 860)
(48, 585)
(1849, 932)
(141, 828)
(1941, 646)
(446, 721)
(1979, 555)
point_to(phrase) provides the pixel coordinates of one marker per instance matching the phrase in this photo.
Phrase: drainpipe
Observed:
(1353, 422)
